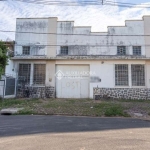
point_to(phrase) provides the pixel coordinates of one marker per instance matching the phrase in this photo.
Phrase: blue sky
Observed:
(98, 17)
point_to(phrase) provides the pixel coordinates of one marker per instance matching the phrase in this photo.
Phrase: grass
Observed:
(76, 107)
(115, 111)
(14, 102)
(26, 111)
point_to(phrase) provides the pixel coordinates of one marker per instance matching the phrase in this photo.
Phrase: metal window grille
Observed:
(136, 50)
(24, 73)
(121, 50)
(64, 50)
(121, 75)
(138, 75)
(26, 50)
(39, 74)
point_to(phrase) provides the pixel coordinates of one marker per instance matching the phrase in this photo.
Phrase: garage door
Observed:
(72, 81)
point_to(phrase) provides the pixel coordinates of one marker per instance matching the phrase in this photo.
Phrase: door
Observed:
(72, 81)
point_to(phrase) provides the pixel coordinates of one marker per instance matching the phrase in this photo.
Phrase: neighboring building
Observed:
(54, 58)
(10, 48)
(8, 79)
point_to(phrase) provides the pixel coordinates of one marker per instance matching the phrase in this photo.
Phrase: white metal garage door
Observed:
(72, 81)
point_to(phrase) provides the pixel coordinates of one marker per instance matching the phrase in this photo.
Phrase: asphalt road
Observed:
(73, 133)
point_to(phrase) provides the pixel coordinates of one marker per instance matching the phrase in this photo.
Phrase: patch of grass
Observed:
(133, 100)
(26, 111)
(17, 102)
(77, 107)
(115, 111)
(11, 102)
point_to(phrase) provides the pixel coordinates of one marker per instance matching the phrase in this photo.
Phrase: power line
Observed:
(74, 34)
(128, 3)
(75, 3)
(64, 3)
(121, 4)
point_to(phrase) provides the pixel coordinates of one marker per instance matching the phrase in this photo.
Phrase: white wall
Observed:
(30, 39)
(81, 41)
(10, 69)
(105, 72)
(98, 43)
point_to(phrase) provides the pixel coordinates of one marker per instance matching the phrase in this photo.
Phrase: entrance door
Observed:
(74, 82)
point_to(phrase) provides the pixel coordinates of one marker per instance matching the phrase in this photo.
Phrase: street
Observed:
(73, 133)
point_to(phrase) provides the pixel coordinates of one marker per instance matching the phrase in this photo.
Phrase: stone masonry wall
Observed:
(36, 92)
(121, 93)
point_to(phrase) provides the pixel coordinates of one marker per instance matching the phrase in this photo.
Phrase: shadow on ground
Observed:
(23, 125)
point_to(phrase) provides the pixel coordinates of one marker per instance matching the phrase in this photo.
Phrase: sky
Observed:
(96, 16)
(133, 1)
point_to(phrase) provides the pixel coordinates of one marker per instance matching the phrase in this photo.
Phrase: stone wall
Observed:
(36, 92)
(121, 93)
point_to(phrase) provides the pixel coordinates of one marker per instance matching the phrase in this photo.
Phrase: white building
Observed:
(57, 59)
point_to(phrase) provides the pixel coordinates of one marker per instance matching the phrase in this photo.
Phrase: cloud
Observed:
(99, 17)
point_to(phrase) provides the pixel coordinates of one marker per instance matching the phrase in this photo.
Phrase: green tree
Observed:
(3, 57)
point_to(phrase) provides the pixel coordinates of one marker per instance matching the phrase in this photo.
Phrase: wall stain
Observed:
(28, 25)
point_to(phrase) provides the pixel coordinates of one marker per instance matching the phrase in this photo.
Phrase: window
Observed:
(136, 50)
(138, 75)
(121, 50)
(26, 50)
(64, 50)
(121, 75)
(24, 73)
(39, 74)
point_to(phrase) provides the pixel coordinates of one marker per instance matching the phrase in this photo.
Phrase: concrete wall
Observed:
(50, 73)
(147, 72)
(10, 68)
(26, 30)
(147, 32)
(84, 42)
(52, 37)
(80, 41)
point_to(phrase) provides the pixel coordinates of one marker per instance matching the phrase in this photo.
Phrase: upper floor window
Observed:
(121, 50)
(136, 50)
(121, 74)
(138, 75)
(64, 50)
(26, 50)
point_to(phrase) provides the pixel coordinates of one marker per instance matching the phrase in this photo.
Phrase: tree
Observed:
(3, 57)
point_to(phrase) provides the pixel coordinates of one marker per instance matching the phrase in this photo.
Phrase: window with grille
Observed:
(26, 50)
(136, 50)
(24, 73)
(121, 50)
(39, 74)
(138, 75)
(64, 50)
(121, 74)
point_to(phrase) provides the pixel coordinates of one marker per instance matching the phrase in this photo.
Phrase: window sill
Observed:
(125, 86)
(138, 86)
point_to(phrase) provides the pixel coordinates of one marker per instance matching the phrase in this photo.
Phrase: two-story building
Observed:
(57, 59)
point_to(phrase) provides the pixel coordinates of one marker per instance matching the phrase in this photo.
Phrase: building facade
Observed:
(57, 59)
